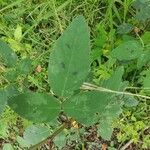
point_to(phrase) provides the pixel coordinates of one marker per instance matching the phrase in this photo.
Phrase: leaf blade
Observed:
(7, 54)
(37, 107)
(66, 72)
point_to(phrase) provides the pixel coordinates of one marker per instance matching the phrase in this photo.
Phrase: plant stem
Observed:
(88, 86)
(51, 137)
(127, 145)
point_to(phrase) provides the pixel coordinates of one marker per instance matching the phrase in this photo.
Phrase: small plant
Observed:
(71, 96)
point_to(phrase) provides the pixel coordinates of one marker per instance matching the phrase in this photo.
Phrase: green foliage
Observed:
(146, 37)
(66, 72)
(7, 54)
(37, 107)
(130, 101)
(3, 100)
(68, 68)
(8, 147)
(143, 9)
(107, 105)
(113, 44)
(125, 28)
(128, 51)
(18, 33)
(33, 135)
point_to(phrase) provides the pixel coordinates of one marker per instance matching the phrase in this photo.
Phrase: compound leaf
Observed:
(69, 62)
(37, 107)
(8, 55)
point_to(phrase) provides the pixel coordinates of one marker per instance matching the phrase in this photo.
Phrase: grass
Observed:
(43, 21)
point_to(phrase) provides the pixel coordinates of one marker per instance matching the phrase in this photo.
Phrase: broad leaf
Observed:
(143, 59)
(24, 66)
(33, 135)
(128, 51)
(69, 61)
(146, 37)
(36, 107)
(60, 140)
(5, 94)
(105, 130)
(8, 146)
(11, 75)
(7, 54)
(143, 9)
(130, 101)
(85, 105)
(124, 28)
(12, 90)
(3, 100)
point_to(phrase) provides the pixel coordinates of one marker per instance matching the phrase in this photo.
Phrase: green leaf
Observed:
(3, 100)
(115, 81)
(130, 101)
(11, 90)
(36, 107)
(33, 135)
(105, 130)
(124, 28)
(22, 68)
(146, 79)
(69, 62)
(11, 75)
(8, 55)
(101, 37)
(8, 146)
(5, 94)
(143, 9)
(4, 133)
(60, 140)
(18, 33)
(89, 107)
(127, 51)
(25, 66)
(84, 107)
(111, 148)
(22, 142)
(146, 37)
(143, 59)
